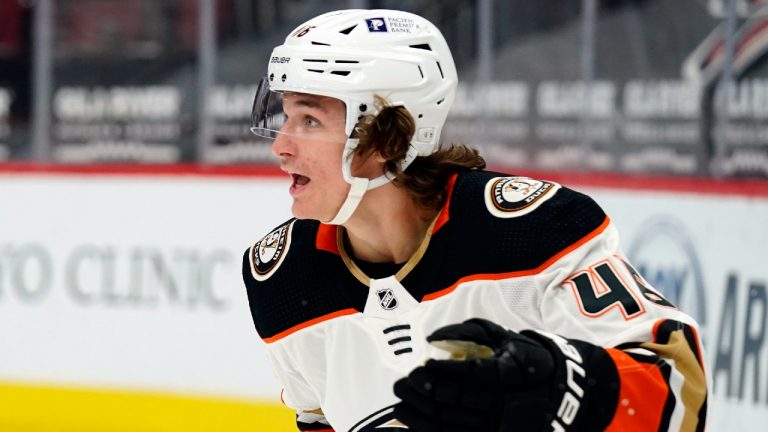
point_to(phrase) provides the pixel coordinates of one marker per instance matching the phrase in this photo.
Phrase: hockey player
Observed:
(414, 289)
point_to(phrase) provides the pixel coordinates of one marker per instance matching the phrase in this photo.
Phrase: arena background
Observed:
(130, 184)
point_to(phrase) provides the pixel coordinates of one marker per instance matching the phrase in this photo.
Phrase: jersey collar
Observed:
(404, 270)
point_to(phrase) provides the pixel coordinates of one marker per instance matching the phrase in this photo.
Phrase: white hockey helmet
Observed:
(353, 55)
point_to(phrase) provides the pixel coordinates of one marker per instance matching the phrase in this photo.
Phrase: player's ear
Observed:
(369, 164)
(379, 158)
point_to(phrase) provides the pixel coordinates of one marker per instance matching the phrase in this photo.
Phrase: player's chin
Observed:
(298, 210)
(304, 210)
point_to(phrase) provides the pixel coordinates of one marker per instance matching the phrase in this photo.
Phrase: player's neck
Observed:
(388, 226)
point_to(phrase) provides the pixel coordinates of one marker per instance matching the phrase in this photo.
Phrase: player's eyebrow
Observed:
(309, 102)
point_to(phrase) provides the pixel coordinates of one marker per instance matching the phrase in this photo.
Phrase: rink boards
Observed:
(122, 308)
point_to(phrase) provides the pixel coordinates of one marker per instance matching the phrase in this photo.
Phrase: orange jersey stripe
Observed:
(521, 273)
(309, 323)
(326, 238)
(444, 215)
(643, 393)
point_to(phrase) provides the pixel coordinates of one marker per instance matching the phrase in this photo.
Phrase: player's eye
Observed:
(311, 122)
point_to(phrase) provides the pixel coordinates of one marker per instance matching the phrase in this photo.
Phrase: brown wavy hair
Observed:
(389, 134)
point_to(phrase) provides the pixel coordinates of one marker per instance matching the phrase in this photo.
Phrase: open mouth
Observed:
(299, 181)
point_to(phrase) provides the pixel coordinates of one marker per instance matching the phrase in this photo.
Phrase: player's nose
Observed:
(283, 146)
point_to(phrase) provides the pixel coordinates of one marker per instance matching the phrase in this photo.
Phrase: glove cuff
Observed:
(587, 391)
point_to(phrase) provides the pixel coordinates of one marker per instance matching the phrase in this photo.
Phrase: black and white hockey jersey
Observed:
(524, 253)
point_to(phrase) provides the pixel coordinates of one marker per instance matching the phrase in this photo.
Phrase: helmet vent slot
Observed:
(316, 70)
(342, 73)
(422, 46)
(347, 61)
(320, 43)
(441, 70)
(440, 101)
(420, 71)
(347, 31)
(316, 60)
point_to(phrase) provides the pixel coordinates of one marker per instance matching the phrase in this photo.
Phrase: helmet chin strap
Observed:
(360, 185)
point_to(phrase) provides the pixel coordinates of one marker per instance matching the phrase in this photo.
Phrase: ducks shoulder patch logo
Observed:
(268, 253)
(508, 197)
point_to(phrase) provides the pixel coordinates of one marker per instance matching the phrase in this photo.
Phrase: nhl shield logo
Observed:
(508, 197)
(268, 253)
(387, 299)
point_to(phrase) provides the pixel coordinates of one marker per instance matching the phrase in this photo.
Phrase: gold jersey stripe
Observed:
(44, 408)
(694, 389)
(402, 273)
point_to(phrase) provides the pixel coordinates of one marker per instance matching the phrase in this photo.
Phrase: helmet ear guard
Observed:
(354, 55)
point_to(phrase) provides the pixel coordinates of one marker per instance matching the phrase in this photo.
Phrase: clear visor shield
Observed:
(299, 115)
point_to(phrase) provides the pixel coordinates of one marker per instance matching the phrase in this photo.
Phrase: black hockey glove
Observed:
(503, 381)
